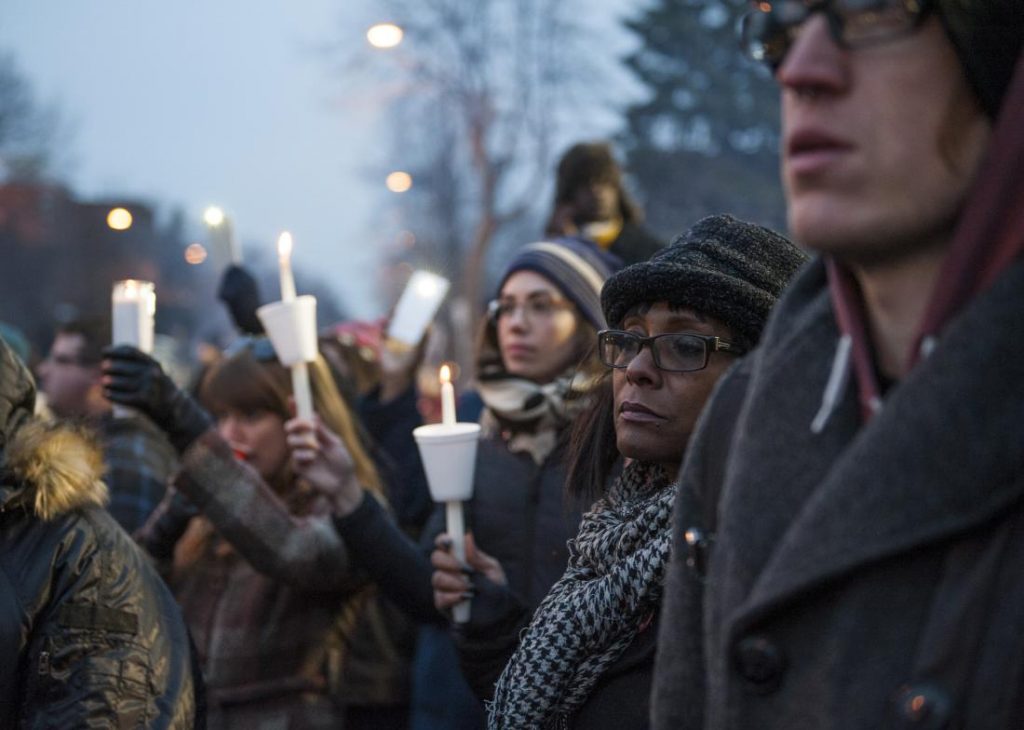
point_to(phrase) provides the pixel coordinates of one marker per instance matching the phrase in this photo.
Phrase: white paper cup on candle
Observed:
(448, 451)
(133, 309)
(417, 306)
(291, 327)
(449, 459)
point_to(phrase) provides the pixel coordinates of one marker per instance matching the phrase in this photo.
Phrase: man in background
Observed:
(136, 454)
(592, 203)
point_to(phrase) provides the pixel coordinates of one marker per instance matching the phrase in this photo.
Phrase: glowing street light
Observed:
(195, 254)
(213, 216)
(223, 245)
(398, 181)
(119, 219)
(384, 35)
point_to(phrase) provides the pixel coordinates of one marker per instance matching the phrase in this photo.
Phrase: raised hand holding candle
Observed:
(300, 370)
(447, 396)
(284, 259)
(133, 308)
(455, 524)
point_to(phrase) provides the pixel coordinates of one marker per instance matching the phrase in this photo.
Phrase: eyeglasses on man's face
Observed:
(535, 309)
(771, 27)
(680, 352)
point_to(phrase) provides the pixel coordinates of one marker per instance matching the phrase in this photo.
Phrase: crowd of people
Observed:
(730, 482)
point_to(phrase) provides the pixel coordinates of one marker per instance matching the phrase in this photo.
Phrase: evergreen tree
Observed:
(706, 139)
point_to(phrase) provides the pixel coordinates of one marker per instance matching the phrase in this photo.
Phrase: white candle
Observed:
(300, 370)
(303, 393)
(456, 529)
(284, 258)
(133, 310)
(447, 397)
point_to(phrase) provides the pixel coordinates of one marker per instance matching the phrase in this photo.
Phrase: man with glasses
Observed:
(849, 536)
(136, 454)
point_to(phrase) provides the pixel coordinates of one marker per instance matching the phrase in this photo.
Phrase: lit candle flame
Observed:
(284, 247)
(446, 374)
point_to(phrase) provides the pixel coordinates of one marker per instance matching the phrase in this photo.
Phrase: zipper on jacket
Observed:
(44, 662)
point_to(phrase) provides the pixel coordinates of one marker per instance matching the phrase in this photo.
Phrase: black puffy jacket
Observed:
(89, 635)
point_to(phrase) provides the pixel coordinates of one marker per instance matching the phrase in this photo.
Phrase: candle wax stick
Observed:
(456, 528)
(447, 403)
(301, 391)
(287, 282)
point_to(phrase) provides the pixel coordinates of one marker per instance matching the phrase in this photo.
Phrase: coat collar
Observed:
(943, 455)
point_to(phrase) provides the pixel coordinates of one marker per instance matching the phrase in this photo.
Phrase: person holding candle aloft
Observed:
(534, 377)
(287, 631)
(585, 657)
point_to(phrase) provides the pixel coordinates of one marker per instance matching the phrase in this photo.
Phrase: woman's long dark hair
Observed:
(593, 450)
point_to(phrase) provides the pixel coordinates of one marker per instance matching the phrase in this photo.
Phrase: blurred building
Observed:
(60, 256)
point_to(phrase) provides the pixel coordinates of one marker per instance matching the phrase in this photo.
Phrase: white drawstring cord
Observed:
(837, 380)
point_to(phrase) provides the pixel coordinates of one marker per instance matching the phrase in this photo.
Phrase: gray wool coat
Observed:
(867, 576)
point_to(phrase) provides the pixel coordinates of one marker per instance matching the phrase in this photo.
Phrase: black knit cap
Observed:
(988, 36)
(722, 267)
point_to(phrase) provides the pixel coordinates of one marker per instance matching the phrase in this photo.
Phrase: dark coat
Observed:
(89, 634)
(517, 514)
(285, 627)
(867, 576)
(635, 243)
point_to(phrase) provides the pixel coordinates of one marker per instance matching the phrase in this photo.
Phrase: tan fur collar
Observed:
(61, 468)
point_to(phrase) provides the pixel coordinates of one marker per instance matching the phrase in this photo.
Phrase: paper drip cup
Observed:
(291, 327)
(448, 452)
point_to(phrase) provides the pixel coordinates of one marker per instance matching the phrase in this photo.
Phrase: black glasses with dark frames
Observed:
(770, 28)
(677, 352)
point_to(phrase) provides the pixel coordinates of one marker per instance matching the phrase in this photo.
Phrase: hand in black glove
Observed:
(132, 378)
(240, 292)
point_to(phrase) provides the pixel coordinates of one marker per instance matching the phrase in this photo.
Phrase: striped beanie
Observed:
(578, 268)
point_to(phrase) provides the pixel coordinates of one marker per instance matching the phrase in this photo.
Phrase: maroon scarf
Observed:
(988, 238)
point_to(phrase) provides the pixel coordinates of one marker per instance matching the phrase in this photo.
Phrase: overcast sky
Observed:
(232, 102)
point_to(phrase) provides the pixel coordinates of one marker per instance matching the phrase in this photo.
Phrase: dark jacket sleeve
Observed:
(679, 662)
(304, 552)
(391, 425)
(490, 637)
(164, 528)
(399, 566)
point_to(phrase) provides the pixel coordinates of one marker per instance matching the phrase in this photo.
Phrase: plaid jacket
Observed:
(139, 462)
(282, 623)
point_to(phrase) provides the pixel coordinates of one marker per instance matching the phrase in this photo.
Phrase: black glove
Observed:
(240, 292)
(132, 378)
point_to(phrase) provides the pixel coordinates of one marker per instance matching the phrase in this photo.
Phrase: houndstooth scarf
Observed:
(616, 568)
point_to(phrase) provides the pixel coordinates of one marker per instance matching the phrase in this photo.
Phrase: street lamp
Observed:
(195, 254)
(384, 35)
(223, 246)
(119, 219)
(398, 181)
(213, 216)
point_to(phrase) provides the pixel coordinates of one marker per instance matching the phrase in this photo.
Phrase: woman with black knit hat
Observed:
(678, 322)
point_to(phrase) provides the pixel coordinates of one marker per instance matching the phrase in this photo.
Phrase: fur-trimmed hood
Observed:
(49, 469)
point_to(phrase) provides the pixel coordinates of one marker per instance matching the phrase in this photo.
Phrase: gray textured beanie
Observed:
(722, 267)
